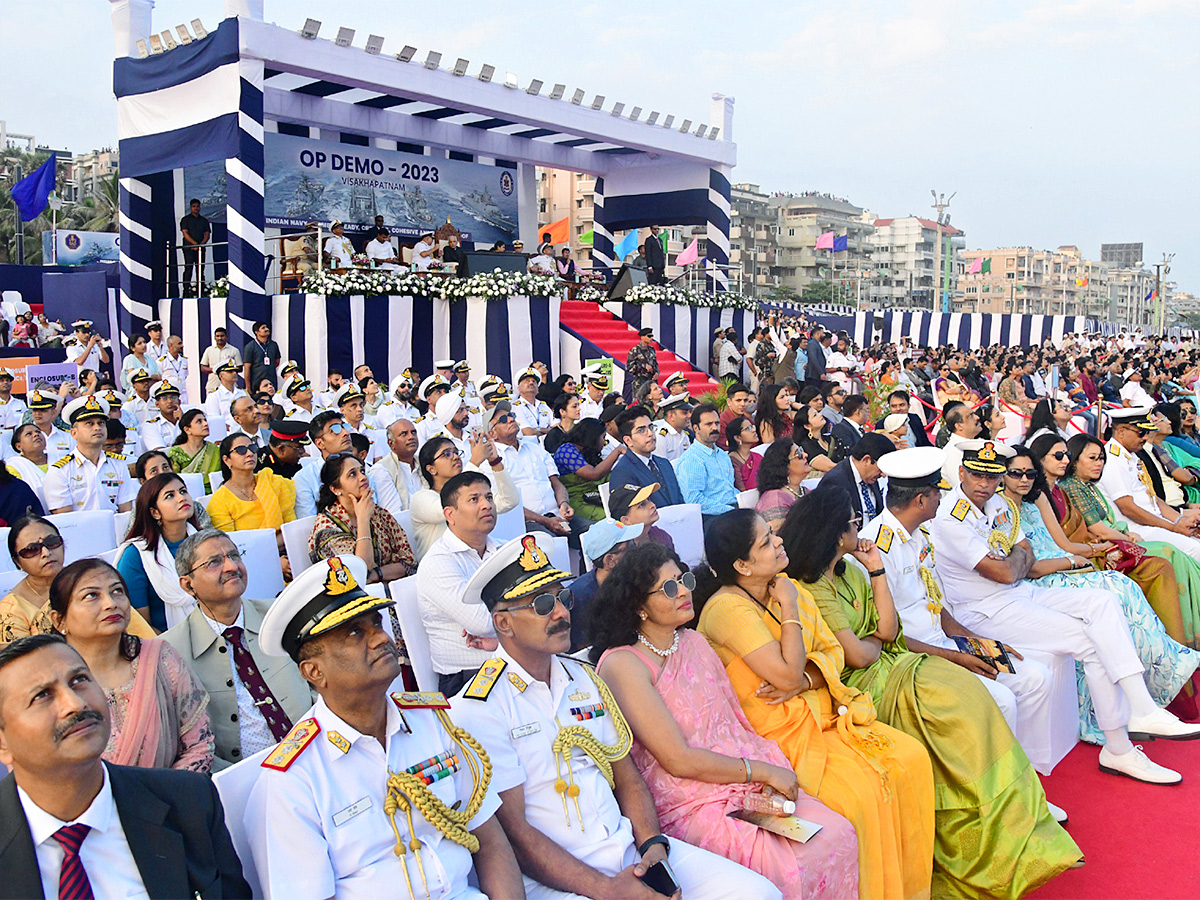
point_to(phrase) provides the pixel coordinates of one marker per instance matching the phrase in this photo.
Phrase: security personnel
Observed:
(915, 486)
(285, 448)
(42, 406)
(140, 403)
(161, 429)
(375, 792)
(674, 384)
(671, 429)
(533, 415)
(12, 410)
(572, 801)
(399, 403)
(462, 375)
(591, 403)
(89, 478)
(1127, 485)
(984, 559)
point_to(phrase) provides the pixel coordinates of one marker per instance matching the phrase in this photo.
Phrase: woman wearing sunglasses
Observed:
(1168, 664)
(163, 515)
(784, 468)
(984, 783)
(698, 754)
(36, 548)
(249, 499)
(785, 667)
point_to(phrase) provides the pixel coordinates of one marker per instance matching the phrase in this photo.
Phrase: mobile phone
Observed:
(661, 877)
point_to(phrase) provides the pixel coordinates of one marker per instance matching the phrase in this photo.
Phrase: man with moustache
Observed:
(73, 826)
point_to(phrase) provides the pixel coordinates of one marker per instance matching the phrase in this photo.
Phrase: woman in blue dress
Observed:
(1168, 664)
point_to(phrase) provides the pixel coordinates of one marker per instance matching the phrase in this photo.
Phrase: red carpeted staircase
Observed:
(616, 336)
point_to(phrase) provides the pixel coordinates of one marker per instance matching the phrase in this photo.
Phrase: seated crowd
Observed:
(852, 683)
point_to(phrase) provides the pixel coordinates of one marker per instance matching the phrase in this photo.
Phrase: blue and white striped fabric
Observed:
(969, 331)
(387, 333)
(575, 350)
(686, 331)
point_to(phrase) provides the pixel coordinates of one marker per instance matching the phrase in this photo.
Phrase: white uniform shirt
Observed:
(74, 348)
(30, 473)
(421, 263)
(105, 853)
(589, 408)
(140, 409)
(391, 409)
(1125, 476)
(340, 251)
(12, 412)
(59, 443)
(158, 433)
(76, 484)
(216, 407)
(960, 532)
(1134, 394)
(444, 571)
(176, 372)
(531, 468)
(532, 415)
(214, 356)
(319, 829)
(671, 443)
(517, 726)
(253, 730)
(378, 439)
(156, 350)
(904, 555)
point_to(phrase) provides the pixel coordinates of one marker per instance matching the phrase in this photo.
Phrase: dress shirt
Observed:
(105, 853)
(406, 477)
(255, 733)
(832, 416)
(531, 468)
(905, 555)
(213, 357)
(176, 372)
(535, 414)
(729, 364)
(961, 544)
(441, 578)
(59, 443)
(589, 408)
(953, 458)
(705, 476)
(76, 483)
(1125, 476)
(158, 433)
(139, 408)
(383, 254)
(320, 829)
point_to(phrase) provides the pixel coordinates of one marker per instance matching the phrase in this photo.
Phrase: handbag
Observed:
(1130, 557)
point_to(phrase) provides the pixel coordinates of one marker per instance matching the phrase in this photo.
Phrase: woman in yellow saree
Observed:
(995, 836)
(785, 667)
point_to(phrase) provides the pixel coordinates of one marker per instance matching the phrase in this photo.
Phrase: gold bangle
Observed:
(791, 622)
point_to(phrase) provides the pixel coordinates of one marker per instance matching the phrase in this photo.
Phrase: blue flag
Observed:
(32, 192)
(629, 244)
(839, 244)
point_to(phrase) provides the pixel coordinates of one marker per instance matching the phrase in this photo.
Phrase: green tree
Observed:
(818, 292)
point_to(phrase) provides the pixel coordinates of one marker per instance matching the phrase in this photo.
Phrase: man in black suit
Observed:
(856, 411)
(59, 836)
(859, 474)
(900, 402)
(656, 258)
(818, 352)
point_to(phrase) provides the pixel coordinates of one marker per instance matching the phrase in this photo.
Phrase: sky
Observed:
(1056, 122)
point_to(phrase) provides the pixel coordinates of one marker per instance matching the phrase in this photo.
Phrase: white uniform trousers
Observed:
(1086, 625)
(1188, 545)
(1025, 699)
(702, 876)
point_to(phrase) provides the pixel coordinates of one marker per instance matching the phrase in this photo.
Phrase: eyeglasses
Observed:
(1060, 455)
(502, 419)
(34, 550)
(449, 453)
(1021, 474)
(213, 565)
(241, 449)
(337, 427)
(670, 587)
(543, 604)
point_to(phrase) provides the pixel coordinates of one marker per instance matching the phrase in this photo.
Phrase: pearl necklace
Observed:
(663, 653)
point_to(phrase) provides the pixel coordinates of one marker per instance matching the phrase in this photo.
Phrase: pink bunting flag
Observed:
(976, 266)
(825, 241)
(690, 254)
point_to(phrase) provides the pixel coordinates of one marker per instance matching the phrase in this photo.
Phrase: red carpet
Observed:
(1140, 840)
(614, 336)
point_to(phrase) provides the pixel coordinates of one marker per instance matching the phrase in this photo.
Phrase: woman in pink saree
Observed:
(156, 704)
(693, 744)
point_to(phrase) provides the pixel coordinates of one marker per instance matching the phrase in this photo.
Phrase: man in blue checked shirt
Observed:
(704, 471)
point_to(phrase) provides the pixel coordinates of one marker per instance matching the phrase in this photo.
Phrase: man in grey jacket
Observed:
(253, 698)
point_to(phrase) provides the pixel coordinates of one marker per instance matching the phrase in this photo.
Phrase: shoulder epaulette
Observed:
(961, 508)
(420, 700)
(62, 462)
(154, 419)
(112, 455)
(663, 431)
(289, 749)
(420, 418)
(884, 540)
(1114, 449)
(485, 679)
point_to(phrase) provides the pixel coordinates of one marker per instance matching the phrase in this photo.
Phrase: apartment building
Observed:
(801, 220)
(904, 256)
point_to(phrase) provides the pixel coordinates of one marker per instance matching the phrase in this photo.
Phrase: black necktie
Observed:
(277, 719)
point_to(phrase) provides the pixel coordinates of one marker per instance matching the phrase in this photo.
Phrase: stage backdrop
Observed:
(311, 180)
(497, 337)
(685, 330)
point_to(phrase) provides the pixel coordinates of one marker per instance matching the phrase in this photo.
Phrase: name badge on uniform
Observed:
(525, 730)
(354, 809)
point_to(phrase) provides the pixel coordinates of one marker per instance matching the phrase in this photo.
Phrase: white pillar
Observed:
(131, 21)
(721, 114)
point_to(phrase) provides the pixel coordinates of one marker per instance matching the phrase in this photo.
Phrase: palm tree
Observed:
(104, 208)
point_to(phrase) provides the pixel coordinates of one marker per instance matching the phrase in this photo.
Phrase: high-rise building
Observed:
(801, 220)
(753, 241)
(904, 257)
(86, 172)
(1124, 256)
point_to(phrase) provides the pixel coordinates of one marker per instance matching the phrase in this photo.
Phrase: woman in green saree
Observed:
(994, 835)
(193, 452)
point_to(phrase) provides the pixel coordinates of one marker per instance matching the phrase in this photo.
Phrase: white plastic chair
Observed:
(194, 482)
(85, 534)
(110, 557)
(295, 541)
(9, 579)
(404, 520)
(6, 561)
(404, 592)
(215, 480)
(121, 524)
(509, 525)
(260, 552)
(560, 553)
(234, 785)
(685, 525)
(748, 499)
(605, 490)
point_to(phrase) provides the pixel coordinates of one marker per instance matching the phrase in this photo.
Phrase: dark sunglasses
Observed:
(34, 550)
(670, 587)
(241, 449)
(1018, 474)
(502, 419)
(1060, 455)
(543, 604)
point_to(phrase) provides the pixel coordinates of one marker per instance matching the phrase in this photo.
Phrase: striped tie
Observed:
(73, 882)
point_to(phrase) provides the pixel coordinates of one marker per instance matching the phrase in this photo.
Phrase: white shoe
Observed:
(1138, 766)
(1059, 814)
(1160, 724)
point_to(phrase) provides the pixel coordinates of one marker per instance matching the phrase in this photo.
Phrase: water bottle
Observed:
(771, 804)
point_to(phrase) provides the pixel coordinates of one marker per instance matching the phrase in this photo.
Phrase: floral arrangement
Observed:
(665, 294)
(499, 285)
(361, 260)
(494, 285)
(219, 288)
(590, 293)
